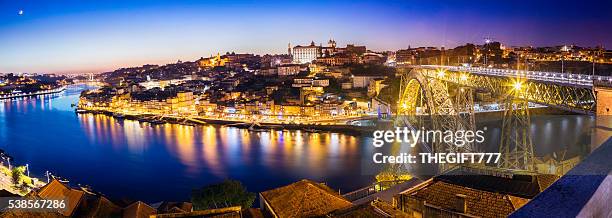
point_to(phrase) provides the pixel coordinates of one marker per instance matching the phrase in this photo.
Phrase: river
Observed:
(127, 159)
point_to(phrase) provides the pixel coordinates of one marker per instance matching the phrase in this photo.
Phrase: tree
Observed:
(225, 194)
(18, 174)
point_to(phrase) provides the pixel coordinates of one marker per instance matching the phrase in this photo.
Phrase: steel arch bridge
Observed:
(425, 91)
(421, 90)
(568, 92)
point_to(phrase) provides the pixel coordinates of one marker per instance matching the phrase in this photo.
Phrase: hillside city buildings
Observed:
(311, 81)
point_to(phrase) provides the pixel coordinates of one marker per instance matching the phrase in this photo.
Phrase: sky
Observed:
(83, 36)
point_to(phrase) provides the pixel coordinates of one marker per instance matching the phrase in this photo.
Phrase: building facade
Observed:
(306, 54)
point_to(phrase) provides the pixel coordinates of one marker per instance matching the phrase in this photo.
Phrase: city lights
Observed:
(305, 109)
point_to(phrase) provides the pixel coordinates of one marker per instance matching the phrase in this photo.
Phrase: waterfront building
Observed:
(301, 199)
(330, 108)
(205, 107)
(287, 110)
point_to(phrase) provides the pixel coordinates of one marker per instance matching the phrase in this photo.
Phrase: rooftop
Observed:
(521, 185)
(57, 190)
(376, 208)
(304, 199)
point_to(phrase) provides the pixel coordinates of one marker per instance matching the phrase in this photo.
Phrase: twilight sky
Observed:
(71, 36)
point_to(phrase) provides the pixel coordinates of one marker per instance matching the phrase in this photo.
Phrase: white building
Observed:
(305, 54)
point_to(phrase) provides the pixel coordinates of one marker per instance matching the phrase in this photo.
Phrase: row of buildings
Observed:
(569, 58)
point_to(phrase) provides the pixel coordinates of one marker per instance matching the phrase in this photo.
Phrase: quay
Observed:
(328, 125)
(46, 92)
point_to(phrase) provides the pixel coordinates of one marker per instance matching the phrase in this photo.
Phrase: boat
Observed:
(310, 130)
(80, 111)
(255, 127)
(157, 122)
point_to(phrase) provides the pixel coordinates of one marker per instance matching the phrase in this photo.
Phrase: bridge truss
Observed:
(577, 97)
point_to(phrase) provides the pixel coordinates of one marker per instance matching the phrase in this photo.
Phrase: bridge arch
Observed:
(423, 95)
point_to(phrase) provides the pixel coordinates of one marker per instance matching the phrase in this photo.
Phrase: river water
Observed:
(127, 159)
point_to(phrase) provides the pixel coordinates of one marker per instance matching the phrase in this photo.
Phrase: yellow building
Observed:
(214, 61)
(310, 93)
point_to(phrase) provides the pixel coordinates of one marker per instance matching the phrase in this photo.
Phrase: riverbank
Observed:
(7, 182)
(329, 125)
(46, 92)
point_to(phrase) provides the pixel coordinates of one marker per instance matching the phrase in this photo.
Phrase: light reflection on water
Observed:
(215, 152)
(164, 162)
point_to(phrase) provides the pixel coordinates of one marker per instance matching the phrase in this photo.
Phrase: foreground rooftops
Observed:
(302, 199)
(520, 185)
(466, 192)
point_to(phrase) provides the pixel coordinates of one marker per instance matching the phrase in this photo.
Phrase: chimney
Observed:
(460, 203)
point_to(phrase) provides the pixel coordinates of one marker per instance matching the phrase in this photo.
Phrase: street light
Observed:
(517, 85)
(441, 73)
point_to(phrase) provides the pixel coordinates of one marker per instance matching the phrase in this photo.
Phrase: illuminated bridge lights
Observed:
(556, 89)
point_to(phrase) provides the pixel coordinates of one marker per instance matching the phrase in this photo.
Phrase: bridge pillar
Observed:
(603, 113)
(604, 99)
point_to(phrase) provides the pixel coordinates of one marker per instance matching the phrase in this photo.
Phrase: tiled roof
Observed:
(376, 208)
(21, 214)
(57, 190)
(169, 207)
(138, 209)
(97, 206)
(304, 199)
(479, 202)
(525, 186)
(216, 213)
(252, 213)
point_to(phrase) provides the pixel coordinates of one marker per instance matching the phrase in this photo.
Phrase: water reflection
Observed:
(219, 150)
(129, 158)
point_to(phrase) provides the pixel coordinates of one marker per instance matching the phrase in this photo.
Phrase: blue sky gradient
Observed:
(61, 36)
